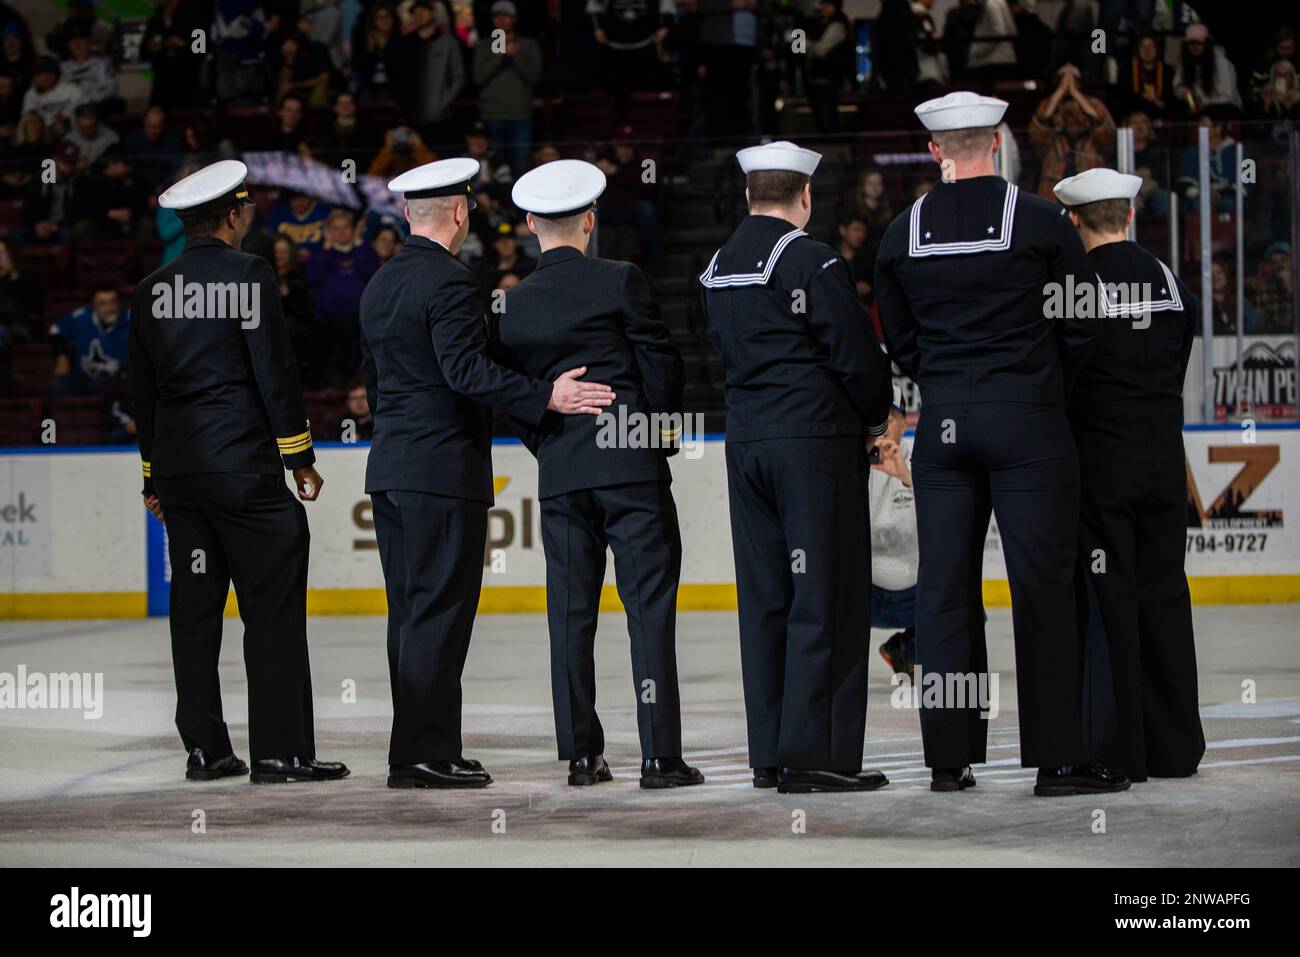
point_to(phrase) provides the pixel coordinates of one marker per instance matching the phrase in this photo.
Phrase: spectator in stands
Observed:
(355, 422)
(93, 75)
(46, 204)
(495, 174)
(321, 21)
(1151, 161)
(830, 63)
(338, 272)
(1145, 82)
(505, 256)
(153, 149)
(290, 133)
(92, 137)
(31, 147)
(628, 200)
(893, 46)
(239, 70)
(872, 203)
(301, 67)
(1205, 76)
(1033, 41)
(852, 249)
(81, 18)
(1273, 293)
(16, 53)
(111, 203)
(168, 45)
(20, 296)
(1223, 164)
(296, 304)
(89, 345)
(430, 74)
(168, 225)
(403, 149)
(931, 64)
(1070, 131)
(630, 36)
(1279, 98)
(992, 54)
(348, 134)
(202, 146)
(1281, 47)
(51, 96)
(1223, 288)
(300, 217)
(11, 106)
(958, 32)
(728, 42)
(386, 242)
(374, 53)
(506, 70)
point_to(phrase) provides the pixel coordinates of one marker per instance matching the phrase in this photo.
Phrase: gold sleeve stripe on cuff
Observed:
(295, 443)
(148, 469)
(670, 433)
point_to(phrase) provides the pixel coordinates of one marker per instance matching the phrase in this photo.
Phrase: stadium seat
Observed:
(106, 262)
(20, 421)
(32, 364)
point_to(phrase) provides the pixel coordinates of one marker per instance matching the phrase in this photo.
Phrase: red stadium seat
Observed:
(32, 364)
(106, 262)
(77, 413)
(20, 421)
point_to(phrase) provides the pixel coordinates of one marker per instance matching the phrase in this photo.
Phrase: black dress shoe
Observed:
(198, 767)
(1090, 778)
(467, 764)
(589, 769)
(668, 773)
(951, 779)
(766, 777)
(288, 770)
(436, 774)
(795, 781)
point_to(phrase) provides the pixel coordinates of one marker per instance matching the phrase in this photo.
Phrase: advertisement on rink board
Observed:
(72, 548)
(1268, 379)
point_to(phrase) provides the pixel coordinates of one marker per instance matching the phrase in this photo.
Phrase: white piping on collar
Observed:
(711, 281)
(1129, 309)
(916, 250)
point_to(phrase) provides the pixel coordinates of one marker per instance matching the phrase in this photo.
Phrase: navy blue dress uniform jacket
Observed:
(999, 344)
(215, 394)
(577, 311)
(1128, 401)
(425, 341)
(803, 362)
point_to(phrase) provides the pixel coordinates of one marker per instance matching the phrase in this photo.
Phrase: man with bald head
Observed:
(432, 387)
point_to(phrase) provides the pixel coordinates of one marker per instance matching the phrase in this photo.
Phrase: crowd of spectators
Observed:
(389, 84)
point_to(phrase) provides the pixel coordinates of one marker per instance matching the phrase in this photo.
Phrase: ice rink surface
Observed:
(111, 791)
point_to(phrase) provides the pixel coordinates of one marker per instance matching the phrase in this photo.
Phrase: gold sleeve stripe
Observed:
(295, 443)
(148, 469)
(669, 434)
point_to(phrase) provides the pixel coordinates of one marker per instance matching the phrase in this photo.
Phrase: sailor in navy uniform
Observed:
(962, 281)
(219, 416)
(1127, 414)
(431, 386)
(598, 486)
(807, 389)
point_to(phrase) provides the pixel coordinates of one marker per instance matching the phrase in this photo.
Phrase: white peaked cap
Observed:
(779, 155)
(961, 111)
(560, 188)
(221, 184)
(449, 177)
(1094, 185)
